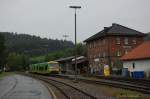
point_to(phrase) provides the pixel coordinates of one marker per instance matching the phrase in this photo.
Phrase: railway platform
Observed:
(22, 87)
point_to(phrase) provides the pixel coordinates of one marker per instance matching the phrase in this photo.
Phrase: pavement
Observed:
(22, 87)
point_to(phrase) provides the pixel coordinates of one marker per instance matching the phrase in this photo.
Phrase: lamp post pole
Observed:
(75, 15)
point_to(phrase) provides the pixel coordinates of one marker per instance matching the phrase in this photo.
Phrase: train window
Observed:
(46, 67)
(36, 68)
(40, 68)
(54, 64)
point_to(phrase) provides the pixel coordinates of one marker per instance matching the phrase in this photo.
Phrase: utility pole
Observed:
(65, 36)
(65, 43)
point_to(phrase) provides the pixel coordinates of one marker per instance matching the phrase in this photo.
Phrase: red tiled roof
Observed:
(140, 52)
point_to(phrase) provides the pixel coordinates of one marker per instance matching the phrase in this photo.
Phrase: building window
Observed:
(104, 41)
(126, 51)
(118, 53)
(126, 40)
(93, 44)
(90, 45)
(99, 42)
(104, 54)
(133, 65)
(91, 56)
(134, 41)
(99, 54)
(117, 40)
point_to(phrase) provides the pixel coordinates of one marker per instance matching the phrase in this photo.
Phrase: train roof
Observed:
(44, 63)
(52, 62)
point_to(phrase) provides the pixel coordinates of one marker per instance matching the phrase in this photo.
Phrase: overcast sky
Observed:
(54, 18)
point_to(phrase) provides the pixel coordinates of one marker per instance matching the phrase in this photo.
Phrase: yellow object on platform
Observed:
(106, 71)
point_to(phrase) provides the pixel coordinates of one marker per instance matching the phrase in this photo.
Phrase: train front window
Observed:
(54, 65)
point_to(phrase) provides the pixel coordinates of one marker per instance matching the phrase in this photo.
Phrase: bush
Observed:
(0, 71)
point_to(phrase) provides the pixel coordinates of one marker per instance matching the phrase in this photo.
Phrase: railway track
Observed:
(140, 86)
(67, 90)
(144, 82)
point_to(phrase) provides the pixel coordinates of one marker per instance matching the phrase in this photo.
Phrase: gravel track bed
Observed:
(89, 88)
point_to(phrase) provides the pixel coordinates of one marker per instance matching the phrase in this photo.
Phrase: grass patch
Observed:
(123, 93)
(3, 74)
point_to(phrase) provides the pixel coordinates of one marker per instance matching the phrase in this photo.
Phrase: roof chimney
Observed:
(114, 24)
(106, 29)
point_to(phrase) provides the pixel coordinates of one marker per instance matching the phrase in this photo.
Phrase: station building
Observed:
(67, 65)
(107, 46)
(82, 64)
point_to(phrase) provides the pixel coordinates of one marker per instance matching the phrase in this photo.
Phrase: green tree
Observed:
(17, 61)
(81, 49)
(2, 50)
(33, 46)
(34, 60)
(25, 62)
(54, 55)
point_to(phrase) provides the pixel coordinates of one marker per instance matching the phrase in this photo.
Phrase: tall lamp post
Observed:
(75, 15)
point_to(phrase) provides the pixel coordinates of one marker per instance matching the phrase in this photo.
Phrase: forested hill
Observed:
(33, 45)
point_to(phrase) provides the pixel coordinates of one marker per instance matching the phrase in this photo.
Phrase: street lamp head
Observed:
(75, 7)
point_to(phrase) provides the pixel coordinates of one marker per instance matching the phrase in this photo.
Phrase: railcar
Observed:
(51, 67)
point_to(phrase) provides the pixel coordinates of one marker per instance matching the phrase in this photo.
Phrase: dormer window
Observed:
(99, 54)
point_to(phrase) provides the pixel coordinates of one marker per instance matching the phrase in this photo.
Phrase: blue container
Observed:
(137, 74)
(125, 72)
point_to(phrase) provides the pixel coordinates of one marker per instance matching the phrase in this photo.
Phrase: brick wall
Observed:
(99, 51)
